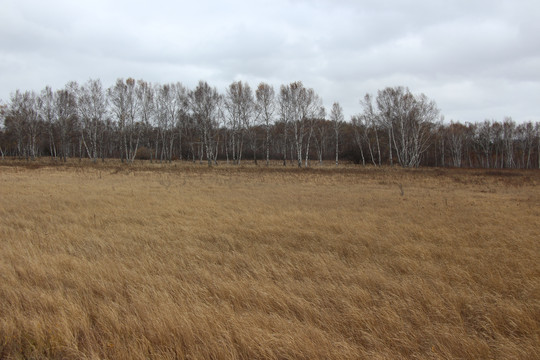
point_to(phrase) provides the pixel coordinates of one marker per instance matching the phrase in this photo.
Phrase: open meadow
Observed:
(109, 261)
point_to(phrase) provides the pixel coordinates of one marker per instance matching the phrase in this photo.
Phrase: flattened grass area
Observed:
(185, 261)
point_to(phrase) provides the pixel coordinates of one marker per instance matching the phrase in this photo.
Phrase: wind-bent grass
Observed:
(181, 261)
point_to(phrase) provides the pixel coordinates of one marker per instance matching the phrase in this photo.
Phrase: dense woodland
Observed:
(165, 122)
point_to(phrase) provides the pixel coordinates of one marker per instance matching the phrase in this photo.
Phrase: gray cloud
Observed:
(477, 59)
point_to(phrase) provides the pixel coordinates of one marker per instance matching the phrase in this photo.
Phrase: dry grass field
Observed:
(183, 261)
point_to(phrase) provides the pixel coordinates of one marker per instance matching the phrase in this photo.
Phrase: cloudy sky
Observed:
(477, 59)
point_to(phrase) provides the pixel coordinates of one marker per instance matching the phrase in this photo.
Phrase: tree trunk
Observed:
(267, 144)
(337, 147)
(390, 146)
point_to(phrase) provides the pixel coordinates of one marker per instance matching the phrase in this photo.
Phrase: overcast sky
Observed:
(477, 59)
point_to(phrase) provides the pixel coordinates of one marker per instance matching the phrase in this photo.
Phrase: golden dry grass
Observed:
(182, 261)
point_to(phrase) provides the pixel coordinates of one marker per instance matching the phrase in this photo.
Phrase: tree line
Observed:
(165, 122)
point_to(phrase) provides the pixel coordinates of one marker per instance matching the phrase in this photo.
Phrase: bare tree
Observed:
(410, 119)
(92, 110)
(266, 105)
(484, 140)
(299, 106)
(537, 136)
(286, 115)
(321, 134)
(66, 114)
(498, 145)
(182, 113)
(371, 121)
(145, 98)
(206, 103)
(337, 118)
(3, 110)
(164, 96)
(509, 127)
(32, 108)
(456, 140)
(171, 108)
(48, 114)
(524, 134)
(310, 108)
(126, 105)
(23, 116)
(15, 120)
(359, 127)
(240, 107)
(118, 99)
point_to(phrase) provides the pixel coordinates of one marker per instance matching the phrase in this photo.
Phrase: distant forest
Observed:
(140, 120)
